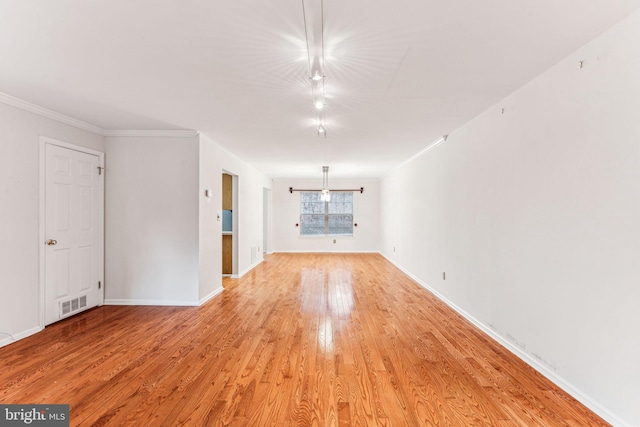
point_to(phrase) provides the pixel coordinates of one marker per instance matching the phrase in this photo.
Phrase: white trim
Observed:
(50, 114)
(249, 269)
(315, 251)
(211, 295)
(68, 120)
(415, 156)
(16, 337)
(63, 144)
(156, 302)
(582, 397)
(153, 133)
(44, 141)
(41, 233)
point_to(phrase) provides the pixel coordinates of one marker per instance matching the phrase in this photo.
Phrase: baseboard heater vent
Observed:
(71, 306)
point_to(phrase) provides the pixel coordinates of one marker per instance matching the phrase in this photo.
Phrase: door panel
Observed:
(85, 256)
(72, 232)
(61, 260)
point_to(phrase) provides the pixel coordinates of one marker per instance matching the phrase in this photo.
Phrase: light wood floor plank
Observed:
(302, 340)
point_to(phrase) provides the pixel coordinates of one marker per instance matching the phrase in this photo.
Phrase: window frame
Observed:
(326, 214)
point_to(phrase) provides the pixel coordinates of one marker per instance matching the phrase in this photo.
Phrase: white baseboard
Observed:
(10, 339)
(325, 252)
(575, 392)
(150, 302)
(248, 269)
(211, 295)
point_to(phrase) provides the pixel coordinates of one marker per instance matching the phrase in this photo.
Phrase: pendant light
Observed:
(325, 196)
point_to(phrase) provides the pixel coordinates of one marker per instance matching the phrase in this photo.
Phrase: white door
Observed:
(73, 251)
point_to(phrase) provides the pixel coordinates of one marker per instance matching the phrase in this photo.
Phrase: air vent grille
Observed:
(65, 308)
(73, 305)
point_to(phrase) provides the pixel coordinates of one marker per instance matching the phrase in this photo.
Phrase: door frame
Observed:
(44, 142)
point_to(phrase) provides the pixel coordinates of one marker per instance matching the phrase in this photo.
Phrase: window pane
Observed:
(341, 224)
(340, 208)
(341, 203)
(312, 208)
(311, 225)
(310, 197)
(318, 218)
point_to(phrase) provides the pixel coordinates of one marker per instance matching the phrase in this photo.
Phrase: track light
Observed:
(313, 14)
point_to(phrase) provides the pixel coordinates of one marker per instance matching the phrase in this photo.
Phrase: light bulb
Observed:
(319, 105)
(317, 76)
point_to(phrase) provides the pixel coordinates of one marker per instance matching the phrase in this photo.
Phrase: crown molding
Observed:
(418, 154)
(155, 133)
(50, 114)
(44, 112)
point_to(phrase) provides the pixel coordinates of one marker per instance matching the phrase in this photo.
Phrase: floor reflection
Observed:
(326, 299)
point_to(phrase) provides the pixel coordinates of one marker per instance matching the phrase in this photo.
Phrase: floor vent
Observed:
(72, 305)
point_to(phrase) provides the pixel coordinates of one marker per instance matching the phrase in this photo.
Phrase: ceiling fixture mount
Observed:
(325, 196)
(313, 14)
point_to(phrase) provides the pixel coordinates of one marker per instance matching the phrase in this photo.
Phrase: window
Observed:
(318, 218)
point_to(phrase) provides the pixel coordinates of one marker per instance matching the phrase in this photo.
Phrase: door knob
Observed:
(52, 242)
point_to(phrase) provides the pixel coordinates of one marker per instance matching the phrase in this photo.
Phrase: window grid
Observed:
(318, 218)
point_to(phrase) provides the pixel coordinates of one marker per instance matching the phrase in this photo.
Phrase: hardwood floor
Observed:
(301, 340)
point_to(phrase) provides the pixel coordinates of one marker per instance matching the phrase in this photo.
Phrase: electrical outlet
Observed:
(444, 276)
(334, 240)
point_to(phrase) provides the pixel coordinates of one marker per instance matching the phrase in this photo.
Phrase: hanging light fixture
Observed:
(325, 196)
(313, 14)
(317, 76)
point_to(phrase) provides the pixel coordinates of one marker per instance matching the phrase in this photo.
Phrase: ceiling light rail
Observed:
(313, 15)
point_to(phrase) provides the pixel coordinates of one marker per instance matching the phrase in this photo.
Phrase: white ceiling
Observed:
(399, 73)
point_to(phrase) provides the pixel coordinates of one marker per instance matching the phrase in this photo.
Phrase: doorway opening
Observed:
(230, 227)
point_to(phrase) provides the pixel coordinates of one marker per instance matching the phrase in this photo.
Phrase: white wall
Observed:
(163, 244)
(210, 249)
(286, 214)
(19, 214)
(213, 161)
(151, 221)
(534, 216)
